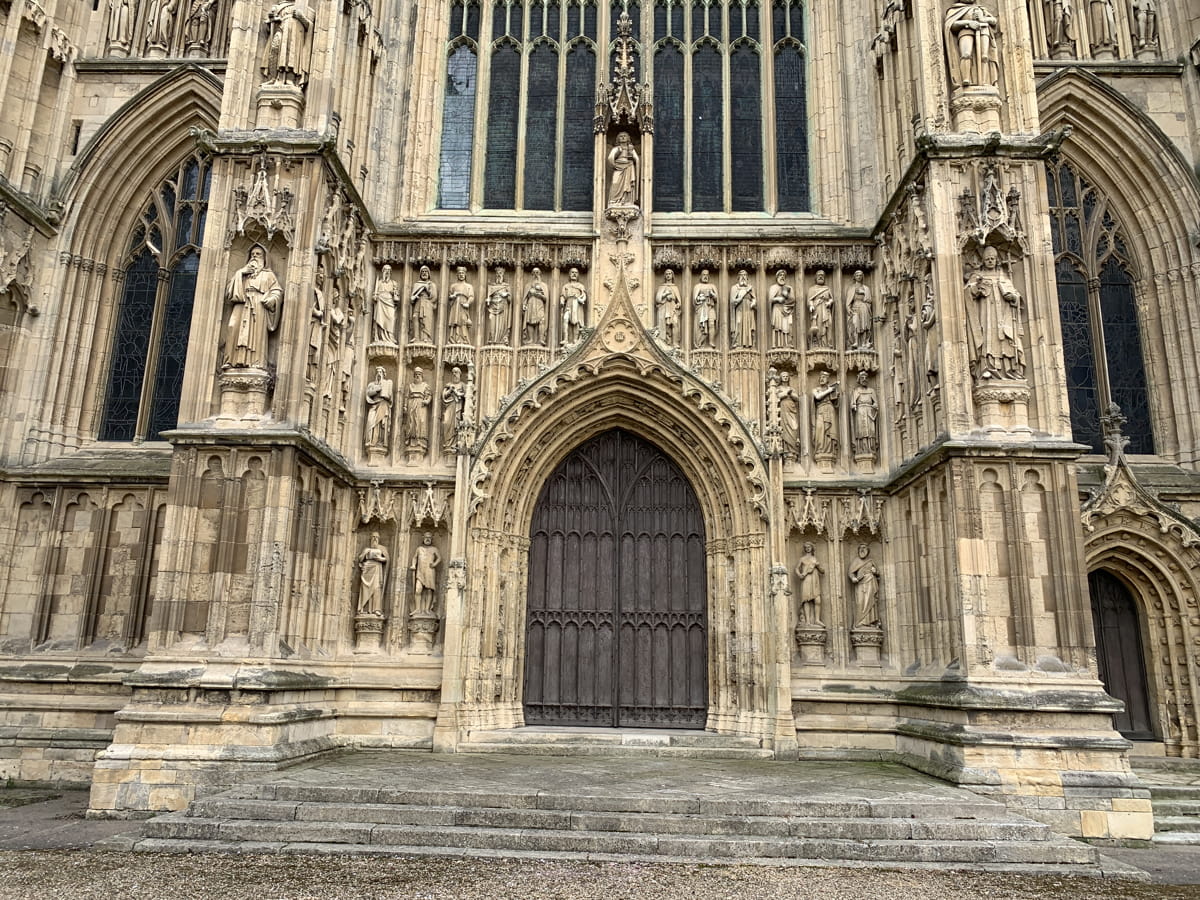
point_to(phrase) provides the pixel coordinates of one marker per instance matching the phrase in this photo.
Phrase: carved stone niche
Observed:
(254, 300)
(372, 565)
(808, 552)
(863, 576)
(426, 574)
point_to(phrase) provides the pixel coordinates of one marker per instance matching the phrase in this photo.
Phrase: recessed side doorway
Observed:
(1119, 653)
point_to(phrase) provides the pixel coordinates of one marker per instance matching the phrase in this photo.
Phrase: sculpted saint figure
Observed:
(256, 297)
(160, 16)
(416, 418)
(462, 298)
(667, 304)
(421, 303)
(371, 564)
(820, 315)
(789, 416)
(424, 568)
(197, 28)
(1060, 23)
(704, 299)
(864, 575)
(744, 305)
(1103, 21)
(498, 305)
(809, 571)
(120, 25)
(623, 163)
(333, 344)
(858, 315)
(782, 298)
(928, 321)
(316, 325)
(1145, 23)
(534, 310)
(825, 422)
(573, 302)
(994, 321)
(383, 310)
(864, 407)
(378, 429)
(971, 45)
(453, 394)
(286, 58)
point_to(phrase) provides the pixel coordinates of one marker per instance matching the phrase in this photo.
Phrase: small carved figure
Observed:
(416, 413)
(744, 305)
(378, 428)
(864, 408)
(336, 319)
(782, 298)
(704, 299)
(198, 27)
(462, 298)
(623, 163)
(825, 420)
(256, 297)
(928, 321)
(859, 313)
(421, 303)
(1103, 23)
(668, 304)
(809, 571)
(573, 302)
(820, 315)
(160, 16)
(994, 321)
(971, 45)
(453, 394)
(789, 416)
(371, 565)
(424, 568)
(286, 58)
(864, 575)
(498, 305)
(120, 25)
(1145, 24)
(383, 309)
(1060, 23)
(534, 310)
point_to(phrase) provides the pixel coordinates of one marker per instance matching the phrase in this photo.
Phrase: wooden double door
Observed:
(617, 599)
(1119, 653)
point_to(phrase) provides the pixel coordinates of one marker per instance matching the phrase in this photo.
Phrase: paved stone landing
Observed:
(728, 810)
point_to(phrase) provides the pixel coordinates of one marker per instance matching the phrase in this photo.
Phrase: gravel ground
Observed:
(80, 875)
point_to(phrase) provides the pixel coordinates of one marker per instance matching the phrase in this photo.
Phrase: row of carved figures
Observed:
(1061, 21)
(372, 564)
(416, 398)
(161, 28)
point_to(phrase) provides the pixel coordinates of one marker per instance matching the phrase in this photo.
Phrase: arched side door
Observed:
(1119, 653)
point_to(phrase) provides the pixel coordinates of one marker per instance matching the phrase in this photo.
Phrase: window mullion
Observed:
(689, 99)
(523, 81)
(726, 108)
(483, 82)
(767, 92)
(561, 107)
(153, 347)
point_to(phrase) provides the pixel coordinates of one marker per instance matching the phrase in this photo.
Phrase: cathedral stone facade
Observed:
(390, 375)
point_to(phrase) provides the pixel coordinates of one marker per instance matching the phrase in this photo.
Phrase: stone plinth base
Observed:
(708, 364)
(368, 633)
(1002, 406)
(976, 109)
(381, 350)
(862, 361)
(867, 643)
(822, 358)
(811, 640)
(423, 628)
(376, 455)
(244, 393)
(279, 106)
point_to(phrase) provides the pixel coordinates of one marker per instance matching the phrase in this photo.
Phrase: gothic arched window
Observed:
(1102, 346)
(157, 284)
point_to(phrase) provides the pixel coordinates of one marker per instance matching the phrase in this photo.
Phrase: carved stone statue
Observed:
(424, 568)
(198, 28)
(256, 297)
(704, 300)
(789, 416)
(820, 315)
(928, 323)
(864, 575)
(120, 27)
(994, 321)
(864, 409)
(160, 17)
(1060, 24)
(1144, 19)
(378, 428)
(1103, 23)
(421, 303)
(535, 311)
(383, 309)
(744, 306)
(825, 419)
(782, 298)
(859, 313)
(809, 571)
(623, 165)
(462, 298)
(416, 414)
(668, 305)
(336, 319)
(499, 308)
(453, 395)
(372, 563)
(572, 300)
(286, 58)
(971, 45)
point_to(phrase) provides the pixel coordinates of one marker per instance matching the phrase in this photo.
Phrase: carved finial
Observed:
(1112, 423)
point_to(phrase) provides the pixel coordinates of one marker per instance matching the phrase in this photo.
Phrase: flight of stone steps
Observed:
(551, 741)
(1174, 786)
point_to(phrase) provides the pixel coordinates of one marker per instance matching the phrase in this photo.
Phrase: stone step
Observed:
(1177, 838)
(1177, 808)
(595, 742)
(1165, 823)
(1174, 792)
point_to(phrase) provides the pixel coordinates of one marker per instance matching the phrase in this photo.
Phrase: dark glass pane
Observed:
(578, 140)
(541, 120)
(1051, 185)
(499, 21)
(797, 17)
(172, 352)
(1071, 232)
(207, 181)
(752, 29)
(500, 173)
(1078, 356)
(472, 29)
(201, 219)
(668, 133)
(746, 144)
(553, 24)
(677, 20)
(191, 179)
(458, 129)
(572, 19)
(1056, 238)
(779, 20)
(1123, 347)
(130, 343)
(708, 131)
(660, 21)
(589, 21)
(183, 232)
(791, 130)
(168, 198)
(698, 21)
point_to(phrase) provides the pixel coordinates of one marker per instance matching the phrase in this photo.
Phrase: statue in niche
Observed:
(913, 376)
(744, 306)
(809, 571)
(416, 413)
(1145, 24)
(789, 416)
(1060, 23)
(421, 303)
(859, 314)
(573, 302)
(424, 568)
(256, 297)
(198, 27)
(971, 45)
(994, 321)
(864, 575)
(623, 164)
(782, 299)
(825, 419)
(286, 58)
(462, 298)
(820, 315)
(316, 325)
(372, 564)
(704, 299)
(454, 393)
(668, 304)
(160, 16)
(535, 311)
(378, 429)
(383, 309)
(498, 305)
(928, 321)
(333, 344)
(1103, 22)
(120, 25)
(864, 409)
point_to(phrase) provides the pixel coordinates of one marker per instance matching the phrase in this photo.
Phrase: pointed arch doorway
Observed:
(616, 622)
(1119, 653)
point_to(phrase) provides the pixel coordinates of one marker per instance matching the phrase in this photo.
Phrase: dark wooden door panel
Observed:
(1119, 653)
